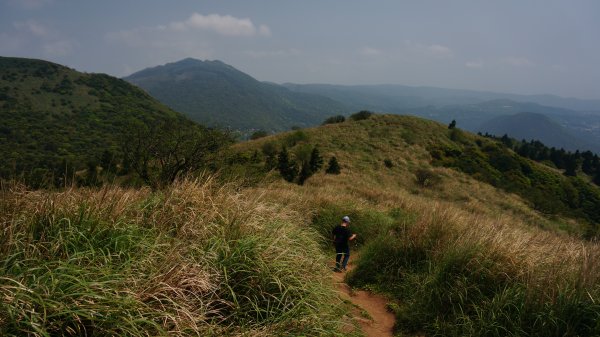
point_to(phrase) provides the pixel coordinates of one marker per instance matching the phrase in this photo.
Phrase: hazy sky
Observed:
(517, 46)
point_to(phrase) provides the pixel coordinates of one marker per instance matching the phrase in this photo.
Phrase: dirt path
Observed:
(379, 321)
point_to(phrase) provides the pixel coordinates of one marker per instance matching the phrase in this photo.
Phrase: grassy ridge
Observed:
(453, 272)
(457, 257)
(387, 150)
(195, 259)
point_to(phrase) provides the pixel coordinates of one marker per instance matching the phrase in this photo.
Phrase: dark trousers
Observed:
(342, 250)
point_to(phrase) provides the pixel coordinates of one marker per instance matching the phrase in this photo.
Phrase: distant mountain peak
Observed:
(218, 94)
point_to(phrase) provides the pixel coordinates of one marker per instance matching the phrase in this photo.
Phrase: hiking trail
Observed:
(378, 321)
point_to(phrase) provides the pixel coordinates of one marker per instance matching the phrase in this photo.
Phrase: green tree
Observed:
(305, 173)
(452, 124)
(333, 167)
(287, 167)
(269, 149)
(571, 165)
(161, 153)
(316, 161)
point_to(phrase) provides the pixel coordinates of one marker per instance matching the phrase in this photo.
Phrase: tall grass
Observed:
(460, 257)
(195, 259)
(459, 275)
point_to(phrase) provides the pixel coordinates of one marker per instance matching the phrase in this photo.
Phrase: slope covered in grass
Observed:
(197, 259)
(408, 153)
(456, 255)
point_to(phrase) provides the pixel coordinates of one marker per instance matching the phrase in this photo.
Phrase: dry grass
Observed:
(199, 258)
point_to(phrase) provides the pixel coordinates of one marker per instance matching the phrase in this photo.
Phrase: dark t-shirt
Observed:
(342, 234)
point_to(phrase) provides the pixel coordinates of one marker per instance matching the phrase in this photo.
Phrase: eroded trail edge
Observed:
(378, 321)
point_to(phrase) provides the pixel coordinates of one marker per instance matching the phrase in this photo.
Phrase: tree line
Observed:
(571, 162)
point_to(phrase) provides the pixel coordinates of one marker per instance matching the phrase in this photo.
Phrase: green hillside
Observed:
(55, 120)
(400, 148)
(463, 236)
(214, 93)
(466, 237)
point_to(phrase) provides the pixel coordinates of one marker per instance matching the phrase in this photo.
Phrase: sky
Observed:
(513, 46)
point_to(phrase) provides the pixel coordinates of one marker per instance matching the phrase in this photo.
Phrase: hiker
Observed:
(341, 238)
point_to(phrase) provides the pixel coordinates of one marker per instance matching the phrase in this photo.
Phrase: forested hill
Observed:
(217, 94)
(55, 119)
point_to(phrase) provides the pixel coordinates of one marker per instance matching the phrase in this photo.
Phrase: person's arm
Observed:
(352, 237)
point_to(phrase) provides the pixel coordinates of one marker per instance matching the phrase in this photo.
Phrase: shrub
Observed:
(294, 138)
(452, 124)
(335, 119)
(388, 163)
(258, 134)
(426, 177)
(361, 115)
(333, 167)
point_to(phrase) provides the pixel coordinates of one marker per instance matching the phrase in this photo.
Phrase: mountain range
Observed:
(217, 94)
(53, 116)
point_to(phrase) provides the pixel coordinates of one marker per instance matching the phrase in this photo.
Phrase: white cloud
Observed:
(225, 25)
(518, 61)
(474, 64)
(222, 24)
(199, 36)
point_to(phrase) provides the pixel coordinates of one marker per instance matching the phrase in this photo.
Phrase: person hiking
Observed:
(342, 235)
